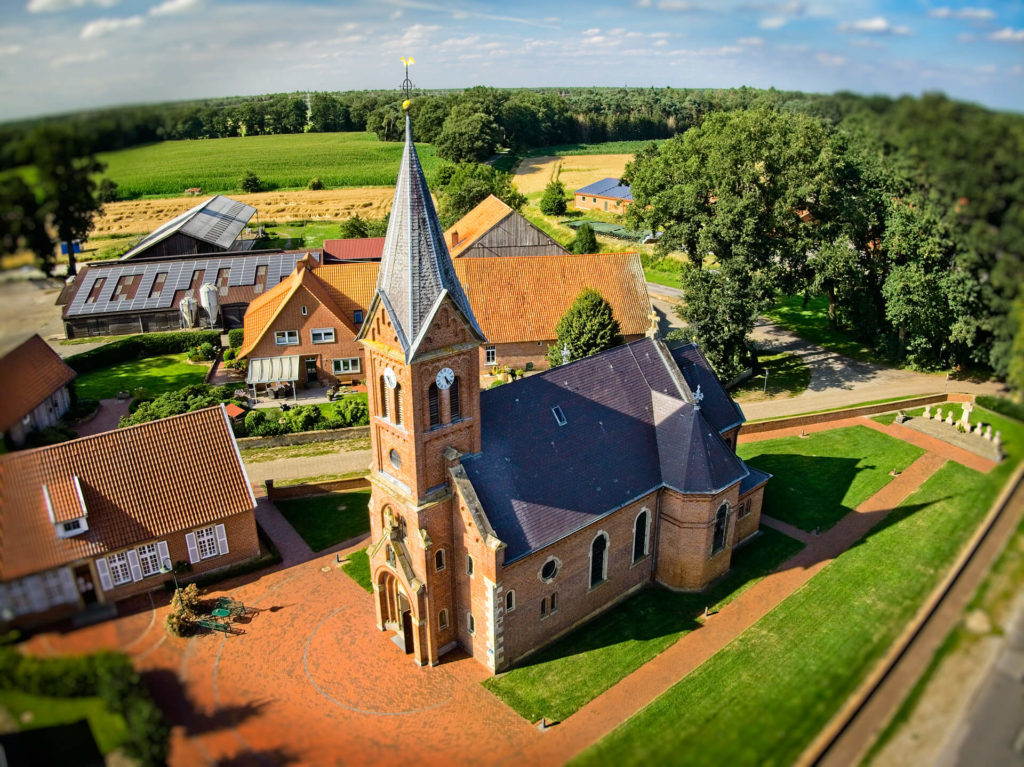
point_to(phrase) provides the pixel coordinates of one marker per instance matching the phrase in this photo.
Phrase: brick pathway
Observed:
(787, 529)
(293, 548)
(106, 419)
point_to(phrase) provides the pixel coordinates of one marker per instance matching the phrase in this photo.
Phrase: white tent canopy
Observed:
(270, 370)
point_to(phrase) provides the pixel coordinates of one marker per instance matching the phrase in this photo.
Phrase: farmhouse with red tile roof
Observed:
(42, 394)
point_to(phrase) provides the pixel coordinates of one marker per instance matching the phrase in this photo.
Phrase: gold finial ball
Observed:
(406, 104)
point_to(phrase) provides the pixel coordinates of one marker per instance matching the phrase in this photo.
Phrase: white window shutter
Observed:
(68, 586)
(36, 593)
(104, 572)
(133, 564)
(222, 539)
(193, 549)
(163, 554)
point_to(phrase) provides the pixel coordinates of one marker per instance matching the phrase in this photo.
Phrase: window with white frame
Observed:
(490, 355)
(322, 335)
(286, 337)
(346, 365)
(119, 570)
(149, 561)
(206, 540)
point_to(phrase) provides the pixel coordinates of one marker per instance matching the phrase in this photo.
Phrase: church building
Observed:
(502, 519)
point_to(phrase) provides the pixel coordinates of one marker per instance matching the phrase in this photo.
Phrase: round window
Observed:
(396, 459)
(549, 570)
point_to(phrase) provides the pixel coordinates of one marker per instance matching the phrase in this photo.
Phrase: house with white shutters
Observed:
(91, 521)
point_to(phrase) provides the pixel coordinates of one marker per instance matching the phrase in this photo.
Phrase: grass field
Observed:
(281, 162)
(764, 697)
(154, 374)
(109, 730)
(788, 375)
(606, 147)
(293, 235)
(574, 670)
(820, 479)
(324, 520)
(811, 324)
(358, 569)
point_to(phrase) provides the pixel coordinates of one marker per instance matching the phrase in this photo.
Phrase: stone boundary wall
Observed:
(837, 415)
(316, 488)
(304, 437)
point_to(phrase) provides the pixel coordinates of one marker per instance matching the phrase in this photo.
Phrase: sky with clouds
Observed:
(64, 55)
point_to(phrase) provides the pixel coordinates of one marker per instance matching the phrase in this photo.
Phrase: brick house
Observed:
(88, 522)
(42, 392)
(608, 194)
(502, 519)
(313, 315)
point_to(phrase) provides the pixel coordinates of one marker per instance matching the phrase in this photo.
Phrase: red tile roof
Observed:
(363, 249)
(234, 410)
(34, 372)
(137, 484)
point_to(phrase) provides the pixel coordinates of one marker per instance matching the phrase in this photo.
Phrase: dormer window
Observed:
(72, 527)
(65, 506)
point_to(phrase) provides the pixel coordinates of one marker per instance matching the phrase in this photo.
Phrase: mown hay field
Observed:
(281, 162)
(533, 173)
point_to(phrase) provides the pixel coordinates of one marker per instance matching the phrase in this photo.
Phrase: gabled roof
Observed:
(416, 271)
(136, 484)
(217, 221)
(608, 187)
(354, 249)
(484, 217)
(630, 428)
(34, 372)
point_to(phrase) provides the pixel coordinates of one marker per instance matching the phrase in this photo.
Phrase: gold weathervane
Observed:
(407, 83)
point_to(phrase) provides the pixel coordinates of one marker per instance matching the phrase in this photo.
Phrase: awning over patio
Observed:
(268, 370)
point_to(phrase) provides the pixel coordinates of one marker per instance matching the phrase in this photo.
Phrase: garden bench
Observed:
(215, 625)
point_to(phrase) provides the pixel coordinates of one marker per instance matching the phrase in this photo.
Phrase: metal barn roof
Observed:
(608, 187)
(218, 221)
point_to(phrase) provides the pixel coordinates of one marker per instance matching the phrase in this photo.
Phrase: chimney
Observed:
(455, 237)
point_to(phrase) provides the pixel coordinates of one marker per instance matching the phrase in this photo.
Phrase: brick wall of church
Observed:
(524, 629)
(685, 536)
(474, 594)
(747, 524)
(516, 355)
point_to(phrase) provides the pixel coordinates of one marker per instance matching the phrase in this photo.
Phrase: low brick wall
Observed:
(316, 488)
(838, 415)
(304, 437)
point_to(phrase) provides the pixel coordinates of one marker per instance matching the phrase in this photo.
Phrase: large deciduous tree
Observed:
(552, 202)
(462, 187)
(23, 222)
(587, 327)
(471, 137)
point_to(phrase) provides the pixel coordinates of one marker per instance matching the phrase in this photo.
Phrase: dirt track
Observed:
(143, 216)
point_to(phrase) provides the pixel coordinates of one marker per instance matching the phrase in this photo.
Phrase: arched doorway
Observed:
(395, 610)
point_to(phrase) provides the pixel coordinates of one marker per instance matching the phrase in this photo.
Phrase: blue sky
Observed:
(60, 55)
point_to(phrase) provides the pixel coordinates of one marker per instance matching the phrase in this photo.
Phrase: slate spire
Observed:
(416, 270)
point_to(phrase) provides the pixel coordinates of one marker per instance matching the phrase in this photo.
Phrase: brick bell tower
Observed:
(421, 344)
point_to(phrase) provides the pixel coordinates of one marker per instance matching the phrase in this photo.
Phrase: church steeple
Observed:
(416, 270)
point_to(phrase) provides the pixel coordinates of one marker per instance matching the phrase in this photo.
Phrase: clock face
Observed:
(389, 379)
(444, 379)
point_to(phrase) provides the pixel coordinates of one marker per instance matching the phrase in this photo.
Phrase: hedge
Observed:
(140, 346)
(235, 338)
(1002, 405)
(108, 675)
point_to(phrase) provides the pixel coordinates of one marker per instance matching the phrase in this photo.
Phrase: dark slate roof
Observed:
(217, 221)
(717, 406)
(630, 428)
(416, 270)
(753, 479)
(608, 187)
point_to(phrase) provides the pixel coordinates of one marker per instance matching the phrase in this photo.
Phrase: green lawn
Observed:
(820, 479)
(281, 162)
(668, 276)
(300, 234)
(788, 375)
(108, 729)
(811, 324)
(324, 520)
(764, 697)
(577, 668)
(358, 569)
(155, 374)
(606, 147)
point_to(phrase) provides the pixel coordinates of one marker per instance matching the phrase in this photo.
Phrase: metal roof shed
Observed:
(216, 223)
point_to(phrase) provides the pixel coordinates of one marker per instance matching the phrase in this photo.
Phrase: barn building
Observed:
(42, 392)
(608, 194)
(492, 228)
(212, 226)
(501, 519)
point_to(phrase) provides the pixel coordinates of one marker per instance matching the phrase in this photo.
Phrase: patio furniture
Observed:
(233, 606)
(215, 625)
(221, 612)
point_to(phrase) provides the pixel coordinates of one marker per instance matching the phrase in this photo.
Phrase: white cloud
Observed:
(661, 42)
(78, 58)
(1008, 35)
(173, 6)
(972, 14)
(879, 25)
(661, 34)
(592, 31)
(772, 22)
(9, 50)
(751, 41)
(617, 32)
(680, 5)
(101, 27)
(829, 59)
(52, 6)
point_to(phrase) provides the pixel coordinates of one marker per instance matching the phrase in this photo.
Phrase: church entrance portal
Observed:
(395, 610)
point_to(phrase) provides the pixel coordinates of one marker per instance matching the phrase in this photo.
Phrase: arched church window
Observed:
(442, 620)
(383, 399)
(399, 410)
(510, 600)
(439, 560)
(454, 400)
(640, 536)
(599, 560)
(435, 405)
(721, 527)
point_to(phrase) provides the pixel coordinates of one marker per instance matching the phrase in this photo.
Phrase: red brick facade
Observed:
(519, 355)
(599, 202)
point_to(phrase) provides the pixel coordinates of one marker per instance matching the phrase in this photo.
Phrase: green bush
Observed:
(107, 191)
(315, 184)
(250, 182)
(303, 418)
(258, 425)
(1002, 405)
(183, 400)
(51, 435)
(552, 203)
(229, 354)
(140, 346)
(236, 338)
(204, 351)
